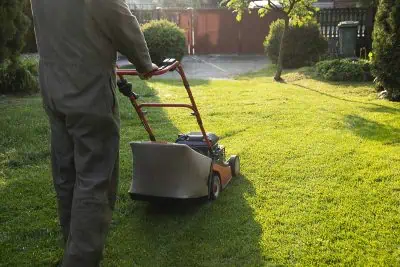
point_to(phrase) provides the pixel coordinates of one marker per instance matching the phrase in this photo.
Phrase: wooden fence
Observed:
(327, 18)
(216, 31)
(146, 15)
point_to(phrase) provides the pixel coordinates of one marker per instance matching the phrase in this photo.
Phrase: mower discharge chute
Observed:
(194, 166)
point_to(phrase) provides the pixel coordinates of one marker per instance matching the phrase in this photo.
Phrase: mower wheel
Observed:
(234, 163)
(216, 187)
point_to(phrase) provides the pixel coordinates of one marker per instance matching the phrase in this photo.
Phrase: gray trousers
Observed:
(85, 156)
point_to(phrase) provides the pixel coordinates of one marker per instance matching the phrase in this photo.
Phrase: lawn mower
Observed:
(193, 167)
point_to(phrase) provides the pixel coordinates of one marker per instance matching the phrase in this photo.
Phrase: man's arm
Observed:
(122, 28)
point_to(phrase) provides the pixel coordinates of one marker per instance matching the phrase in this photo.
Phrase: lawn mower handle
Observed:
(170, 65)
(161, 71)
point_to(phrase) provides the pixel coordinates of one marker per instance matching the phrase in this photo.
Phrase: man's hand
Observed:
(146, 76)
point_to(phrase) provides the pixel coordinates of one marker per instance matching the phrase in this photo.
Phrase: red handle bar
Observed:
(162, 70)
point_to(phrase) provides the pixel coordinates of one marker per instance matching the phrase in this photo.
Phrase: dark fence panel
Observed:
(330, 18)
(253, 31)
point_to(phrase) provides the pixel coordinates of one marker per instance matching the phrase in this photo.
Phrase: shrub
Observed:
(165, 40)
(19, 77)
(16, 75)
(344, 70)
(13, 26)
(303, 45)
(386, 48)
(30, 62)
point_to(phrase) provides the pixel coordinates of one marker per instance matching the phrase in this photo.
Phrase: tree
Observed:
(297, 11)
(386, 48)
(13, 27)
(30, 38)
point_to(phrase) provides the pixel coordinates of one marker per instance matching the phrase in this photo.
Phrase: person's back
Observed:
(68, 34)
(81, 37)
(78, 42)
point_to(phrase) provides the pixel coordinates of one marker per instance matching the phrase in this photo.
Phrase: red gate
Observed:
(186, 23)
(217, 31)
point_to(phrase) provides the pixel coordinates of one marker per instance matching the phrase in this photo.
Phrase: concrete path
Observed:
(208, 67)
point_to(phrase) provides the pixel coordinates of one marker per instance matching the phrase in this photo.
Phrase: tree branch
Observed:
(292, 3)
(272, 5)
(258, 6)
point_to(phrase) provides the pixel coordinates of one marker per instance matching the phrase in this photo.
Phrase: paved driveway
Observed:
(216, 66)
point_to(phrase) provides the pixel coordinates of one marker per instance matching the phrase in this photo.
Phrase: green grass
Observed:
(320, 184)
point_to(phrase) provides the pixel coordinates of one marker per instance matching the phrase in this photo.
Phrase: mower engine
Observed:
(196, 142)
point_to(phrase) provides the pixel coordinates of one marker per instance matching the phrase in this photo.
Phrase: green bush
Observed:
(19, 77)
(165, 40)
(344, 70)
(13, 27)
(303, 45)
(386, 48)
(31, 63)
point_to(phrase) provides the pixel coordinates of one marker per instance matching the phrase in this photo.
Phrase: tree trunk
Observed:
(281, 52)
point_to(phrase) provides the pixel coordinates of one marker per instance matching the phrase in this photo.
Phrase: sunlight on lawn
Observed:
(320, 182)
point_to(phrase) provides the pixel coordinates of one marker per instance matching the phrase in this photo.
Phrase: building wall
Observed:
(324, 4)
(337, 4)
(346, 3)
(141, 4)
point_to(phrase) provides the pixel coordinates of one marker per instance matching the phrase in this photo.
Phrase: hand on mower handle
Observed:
(169, 65)
(148, 75)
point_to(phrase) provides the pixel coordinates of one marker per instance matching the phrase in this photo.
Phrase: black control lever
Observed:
(168, 62)
(125, 88)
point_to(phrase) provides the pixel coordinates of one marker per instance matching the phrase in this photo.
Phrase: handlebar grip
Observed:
(168, 65)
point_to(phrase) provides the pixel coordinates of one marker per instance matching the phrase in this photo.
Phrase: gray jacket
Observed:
(78, 42)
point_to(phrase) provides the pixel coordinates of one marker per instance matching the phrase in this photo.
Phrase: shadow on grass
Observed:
(177, 81)
(189, 233)
(293, 75)
(382, 109)
(288, 75)
(372, 130)
(30, 158)
(375, 108)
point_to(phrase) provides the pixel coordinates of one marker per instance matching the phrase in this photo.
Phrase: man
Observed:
(78, 41)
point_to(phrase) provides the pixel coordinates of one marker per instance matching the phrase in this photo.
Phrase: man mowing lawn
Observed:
(78, 42)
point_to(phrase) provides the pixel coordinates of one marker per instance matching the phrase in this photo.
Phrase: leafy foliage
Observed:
(13, 26)
(299, 11)
(386, 48)
(344, 70)
(303, 45)
(16, 75)
(19, 77)
(165, 40)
